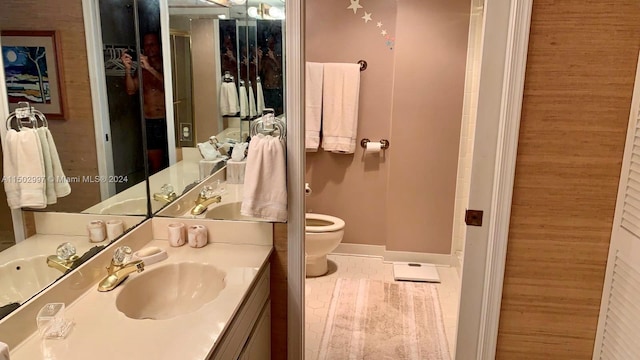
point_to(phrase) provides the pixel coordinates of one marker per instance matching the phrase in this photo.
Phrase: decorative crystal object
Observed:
(122, 255)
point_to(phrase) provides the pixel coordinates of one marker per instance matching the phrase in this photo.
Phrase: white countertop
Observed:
(101, 332)
(179, 175)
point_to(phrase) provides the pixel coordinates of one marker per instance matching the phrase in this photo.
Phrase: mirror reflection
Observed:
(101, 162)
(227, 72)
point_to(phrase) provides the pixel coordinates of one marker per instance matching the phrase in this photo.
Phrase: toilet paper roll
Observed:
(373, 147)
(97, 231)
(197, 235)
(176, 234)
(115, 228)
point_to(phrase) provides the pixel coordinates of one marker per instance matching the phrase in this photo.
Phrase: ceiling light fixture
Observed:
(276, 13)
(253, 12)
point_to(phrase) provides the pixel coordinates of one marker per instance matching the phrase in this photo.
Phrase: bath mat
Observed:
(377, 320)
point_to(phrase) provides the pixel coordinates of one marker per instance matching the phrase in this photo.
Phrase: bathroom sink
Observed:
(229, 211)
(170, 290)
(22, 278)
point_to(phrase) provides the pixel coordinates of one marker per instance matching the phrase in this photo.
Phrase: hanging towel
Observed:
(252, 102)
(229, 99)
(259, 99)
(49, 188)
(244, 102)
(60, 183)
(340, 94)
(265, 179)
(313, 105)
(24, 174)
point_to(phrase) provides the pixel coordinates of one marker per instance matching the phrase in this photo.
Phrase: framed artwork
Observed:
(33, 71)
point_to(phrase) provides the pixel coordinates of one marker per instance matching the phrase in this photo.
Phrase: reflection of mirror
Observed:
(83, 135)
(214, 48)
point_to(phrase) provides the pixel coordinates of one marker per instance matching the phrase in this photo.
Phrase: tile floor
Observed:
(318, 293)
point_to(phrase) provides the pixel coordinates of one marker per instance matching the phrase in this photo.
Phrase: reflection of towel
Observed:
(24, 170)
(259, 98)
(340, 93)
(252, 102)
(313, 105)
(244, 103)
(4, 351)
(265, 179)
(228, 99)
(60, 180)
(50, 190)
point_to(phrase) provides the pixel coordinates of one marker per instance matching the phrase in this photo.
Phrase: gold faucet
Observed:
(53, 261)
(64, 258)
(167, 198)
(166, 194)
(202, 202)
(118, 273)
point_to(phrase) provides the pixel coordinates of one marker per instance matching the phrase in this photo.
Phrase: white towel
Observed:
(340, 94)
(265, 180)
(252, 103)
(229, 99)
(313, 105)
(244, 102)
(260, 99)
(24, 176)
(49, 188)
(60, 182)
(4, 352)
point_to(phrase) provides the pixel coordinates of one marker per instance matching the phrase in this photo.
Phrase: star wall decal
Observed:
(355, 5)
(379, 24)
(383, 32)
(366, 17)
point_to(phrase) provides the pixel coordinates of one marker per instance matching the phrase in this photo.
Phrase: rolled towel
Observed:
(244, 102)
(252, 102)
(259, 99)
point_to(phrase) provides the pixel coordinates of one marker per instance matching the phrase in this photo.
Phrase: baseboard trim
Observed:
(389, 255)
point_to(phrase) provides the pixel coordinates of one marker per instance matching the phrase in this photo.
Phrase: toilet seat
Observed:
(332, 223)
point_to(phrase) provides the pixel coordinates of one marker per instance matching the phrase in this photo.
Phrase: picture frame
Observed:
(32, 63)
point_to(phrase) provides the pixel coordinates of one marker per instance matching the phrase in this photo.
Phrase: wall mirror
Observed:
(45, 50)
(216, 46)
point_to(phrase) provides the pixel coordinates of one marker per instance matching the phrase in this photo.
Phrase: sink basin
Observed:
(170, 290)
(229, 211)
(22, 278)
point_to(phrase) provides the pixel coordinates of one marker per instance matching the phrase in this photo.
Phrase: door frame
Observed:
(504, 55)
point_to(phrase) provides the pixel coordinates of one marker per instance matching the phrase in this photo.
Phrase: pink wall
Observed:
(419, 84)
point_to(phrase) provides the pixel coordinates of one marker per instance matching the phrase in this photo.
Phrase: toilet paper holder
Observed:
(384, 144)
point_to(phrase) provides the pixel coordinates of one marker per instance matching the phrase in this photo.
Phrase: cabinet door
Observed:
(619, 323)
(258, 346)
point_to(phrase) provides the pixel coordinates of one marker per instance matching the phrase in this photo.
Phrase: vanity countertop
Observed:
(101, 331)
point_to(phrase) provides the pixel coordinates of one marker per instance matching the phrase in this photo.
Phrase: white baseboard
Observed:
(388, 255)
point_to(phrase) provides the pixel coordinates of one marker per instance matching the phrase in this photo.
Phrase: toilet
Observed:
(323, 234)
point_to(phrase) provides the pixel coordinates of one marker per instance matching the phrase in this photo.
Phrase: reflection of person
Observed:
(153, 99)
(271, 75)
(229, 61)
